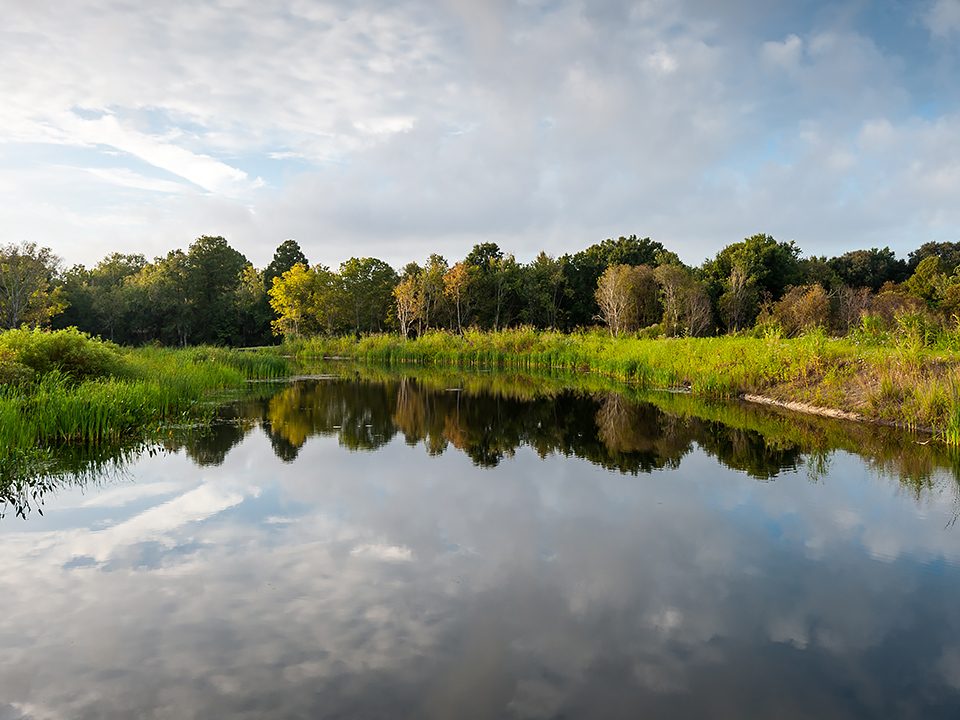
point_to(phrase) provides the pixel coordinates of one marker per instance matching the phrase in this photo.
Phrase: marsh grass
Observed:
(906, 379)
(67, 389)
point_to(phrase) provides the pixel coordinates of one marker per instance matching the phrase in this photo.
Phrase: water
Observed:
(455, 546)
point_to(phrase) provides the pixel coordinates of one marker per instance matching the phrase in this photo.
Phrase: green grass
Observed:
(67, 389)
(911, 385)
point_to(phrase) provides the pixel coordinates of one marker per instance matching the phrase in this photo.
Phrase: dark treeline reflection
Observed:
(605, 428)
(488, 417)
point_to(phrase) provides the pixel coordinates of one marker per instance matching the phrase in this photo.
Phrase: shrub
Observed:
(69, 352)
(802, 308)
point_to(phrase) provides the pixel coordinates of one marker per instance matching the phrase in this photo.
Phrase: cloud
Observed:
(399, 129)
(943, 18)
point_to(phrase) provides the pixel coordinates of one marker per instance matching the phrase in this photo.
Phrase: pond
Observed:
(378, 544)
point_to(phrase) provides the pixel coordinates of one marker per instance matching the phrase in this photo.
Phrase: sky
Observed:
(398, 129)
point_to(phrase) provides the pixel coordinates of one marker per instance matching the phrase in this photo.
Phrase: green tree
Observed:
(583, 269)
(27, 291)
(214, 271)
(928, 282)
(306, 301)
(287, 254)
(433, 299)
(869, 268)
(544, 286)
(368, 293)
(948, 252)
(761, 262)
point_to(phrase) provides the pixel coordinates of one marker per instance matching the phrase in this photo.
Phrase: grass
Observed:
(65, 388)
(894, 381)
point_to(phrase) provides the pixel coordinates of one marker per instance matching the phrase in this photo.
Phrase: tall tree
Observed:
(432, 291)
(409, 302)
(457, 286)
(214, 271)
(766, 264)
(948, 252)
(869, 268)
(306, 301)
(627, 296)
(583, 269)
(27, 293)
(368, 293)
(544, 289)
(287, 254)
(686, 304)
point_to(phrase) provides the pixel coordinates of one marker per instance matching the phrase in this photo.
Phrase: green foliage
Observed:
(741, 273)
(947, 252)
(367, 294)
(869, 268)
(28, 295)
(287, 254)
(69, 352)
(910, 386)
(582, 270)
(64, 387)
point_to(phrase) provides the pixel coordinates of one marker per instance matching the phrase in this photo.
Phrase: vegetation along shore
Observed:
(66, 388)
(891, 378)
(865, 333)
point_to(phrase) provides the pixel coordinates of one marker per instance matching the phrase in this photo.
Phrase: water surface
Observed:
(459, 546)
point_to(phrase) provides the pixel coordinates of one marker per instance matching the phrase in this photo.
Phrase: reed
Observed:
(65, 388)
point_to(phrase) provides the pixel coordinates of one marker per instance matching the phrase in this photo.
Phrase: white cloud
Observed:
(354, 118)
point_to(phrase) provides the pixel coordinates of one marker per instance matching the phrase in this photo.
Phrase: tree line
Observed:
(211, 293)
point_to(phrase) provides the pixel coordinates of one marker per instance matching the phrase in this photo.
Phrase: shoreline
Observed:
(911, 388)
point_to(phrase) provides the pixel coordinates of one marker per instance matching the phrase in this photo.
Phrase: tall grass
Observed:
(908, 383)
(67, 388)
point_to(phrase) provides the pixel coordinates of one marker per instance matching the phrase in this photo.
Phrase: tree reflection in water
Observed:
(488, 417)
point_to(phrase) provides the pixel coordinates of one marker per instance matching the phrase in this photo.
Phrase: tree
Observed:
(583, 269)
(770, 266)
(852, 303)
(869, 268)
(948, 252)
(306, 301)
(457, 283)
(367, 293)
(253, 308)
(627, 297)
(543, 288)
(432, 290)
(213, 273)
(162, 301)
(928, 282)
(27, 293)
(111, 295)
(506, 279)
(287, 254)
(739, 301)
(409, 301)
(686, 303)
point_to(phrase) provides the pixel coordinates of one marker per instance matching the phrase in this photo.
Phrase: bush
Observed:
(11, 371)
(803, 308)
(70, 352)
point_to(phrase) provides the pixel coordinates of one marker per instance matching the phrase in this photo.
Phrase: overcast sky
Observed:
(398, 129)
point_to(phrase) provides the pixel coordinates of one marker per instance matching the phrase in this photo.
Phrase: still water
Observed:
(371, 545)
